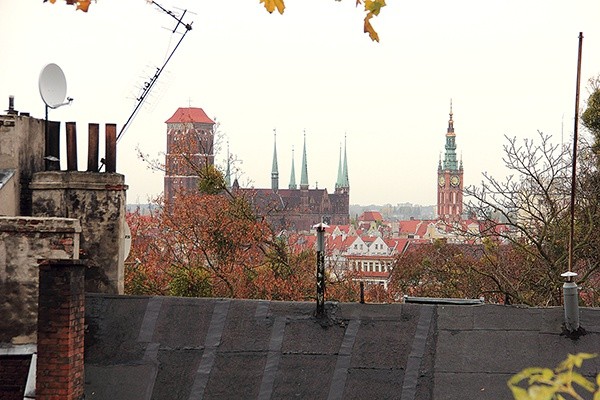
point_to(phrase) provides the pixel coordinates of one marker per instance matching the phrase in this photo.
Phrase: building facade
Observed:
(450, 179)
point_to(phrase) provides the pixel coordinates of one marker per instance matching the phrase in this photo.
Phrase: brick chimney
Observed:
(61, 314)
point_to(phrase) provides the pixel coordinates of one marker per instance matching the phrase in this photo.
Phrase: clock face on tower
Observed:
(441, 181)
(455, 180)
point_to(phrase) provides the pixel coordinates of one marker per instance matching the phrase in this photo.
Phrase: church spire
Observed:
(450, 162)
(339, 182)
(450, 121)
(228, 171)
(293, 175)
(345, 180)
(304, 174)
(274, 169)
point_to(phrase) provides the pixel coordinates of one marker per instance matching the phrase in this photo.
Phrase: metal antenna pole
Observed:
(575, 139)
(320, 269)
(148, 85)
(570, 289)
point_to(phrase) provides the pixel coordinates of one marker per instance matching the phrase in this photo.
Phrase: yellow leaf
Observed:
(270, 5)
(519, 393)
(374, 6)
(369, 28)
(583, 382)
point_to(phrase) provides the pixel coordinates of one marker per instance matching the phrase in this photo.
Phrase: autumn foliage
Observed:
(214, 245)
(371, 8)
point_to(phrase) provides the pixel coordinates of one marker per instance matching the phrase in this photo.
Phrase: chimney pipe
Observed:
(571, 302)
(93, 134)
(11, 106)
(111, 148)
(71, 146)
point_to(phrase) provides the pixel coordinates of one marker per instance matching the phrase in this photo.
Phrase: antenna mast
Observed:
(150, 83)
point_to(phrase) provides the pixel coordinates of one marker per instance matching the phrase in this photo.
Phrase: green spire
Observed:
(274, 169)
(450, 162)
(346, 181)
(304, 174)
(293, 175)
(339, 183)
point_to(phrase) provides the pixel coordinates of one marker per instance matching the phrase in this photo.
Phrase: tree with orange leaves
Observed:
(211, 243)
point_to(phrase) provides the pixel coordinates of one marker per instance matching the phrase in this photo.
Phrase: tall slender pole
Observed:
(320, 269)
(575, 139)
(570, 289)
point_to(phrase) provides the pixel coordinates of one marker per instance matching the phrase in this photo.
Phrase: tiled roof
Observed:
(189, 114)
(371, 216)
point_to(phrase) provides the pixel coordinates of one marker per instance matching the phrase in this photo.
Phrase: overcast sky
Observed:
(508, 65)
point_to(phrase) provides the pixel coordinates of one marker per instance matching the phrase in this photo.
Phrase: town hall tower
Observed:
(450, 179)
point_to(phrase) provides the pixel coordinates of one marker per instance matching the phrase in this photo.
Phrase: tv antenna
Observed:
(147, 87)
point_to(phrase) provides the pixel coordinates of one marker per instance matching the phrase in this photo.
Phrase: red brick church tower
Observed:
(450, 179)
(190, 140)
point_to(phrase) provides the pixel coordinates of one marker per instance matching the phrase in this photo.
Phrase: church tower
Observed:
(450, 179)
(190, 137)
(342, 185)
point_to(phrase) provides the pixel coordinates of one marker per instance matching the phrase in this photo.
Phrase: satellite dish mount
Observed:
(53, 90)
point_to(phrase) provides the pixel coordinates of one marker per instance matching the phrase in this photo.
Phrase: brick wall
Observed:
(61, 314)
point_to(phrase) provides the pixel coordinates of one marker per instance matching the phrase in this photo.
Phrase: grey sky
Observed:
(509, 67)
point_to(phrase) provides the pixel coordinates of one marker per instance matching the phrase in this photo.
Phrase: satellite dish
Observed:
(53, 86)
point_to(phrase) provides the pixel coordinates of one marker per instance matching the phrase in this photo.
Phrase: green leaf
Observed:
(374, 6)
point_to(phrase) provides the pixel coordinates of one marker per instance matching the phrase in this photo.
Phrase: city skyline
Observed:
(509, 68)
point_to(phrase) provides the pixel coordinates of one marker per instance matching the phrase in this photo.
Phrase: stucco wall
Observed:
(9, 194)
(98, 201)
(23, 242)
(22, 148)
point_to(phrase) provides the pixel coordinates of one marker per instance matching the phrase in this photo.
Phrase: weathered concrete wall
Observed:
(22, 148)
(98, 201)
(9, 193)
(23, 242)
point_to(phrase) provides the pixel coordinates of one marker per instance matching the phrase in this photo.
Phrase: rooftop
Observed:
(189, 114)
(182, 348)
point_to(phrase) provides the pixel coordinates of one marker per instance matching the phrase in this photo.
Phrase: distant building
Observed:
(450, 180)
(190, 141)
(298, 209)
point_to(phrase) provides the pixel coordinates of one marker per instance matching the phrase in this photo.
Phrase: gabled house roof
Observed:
(370, 216)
